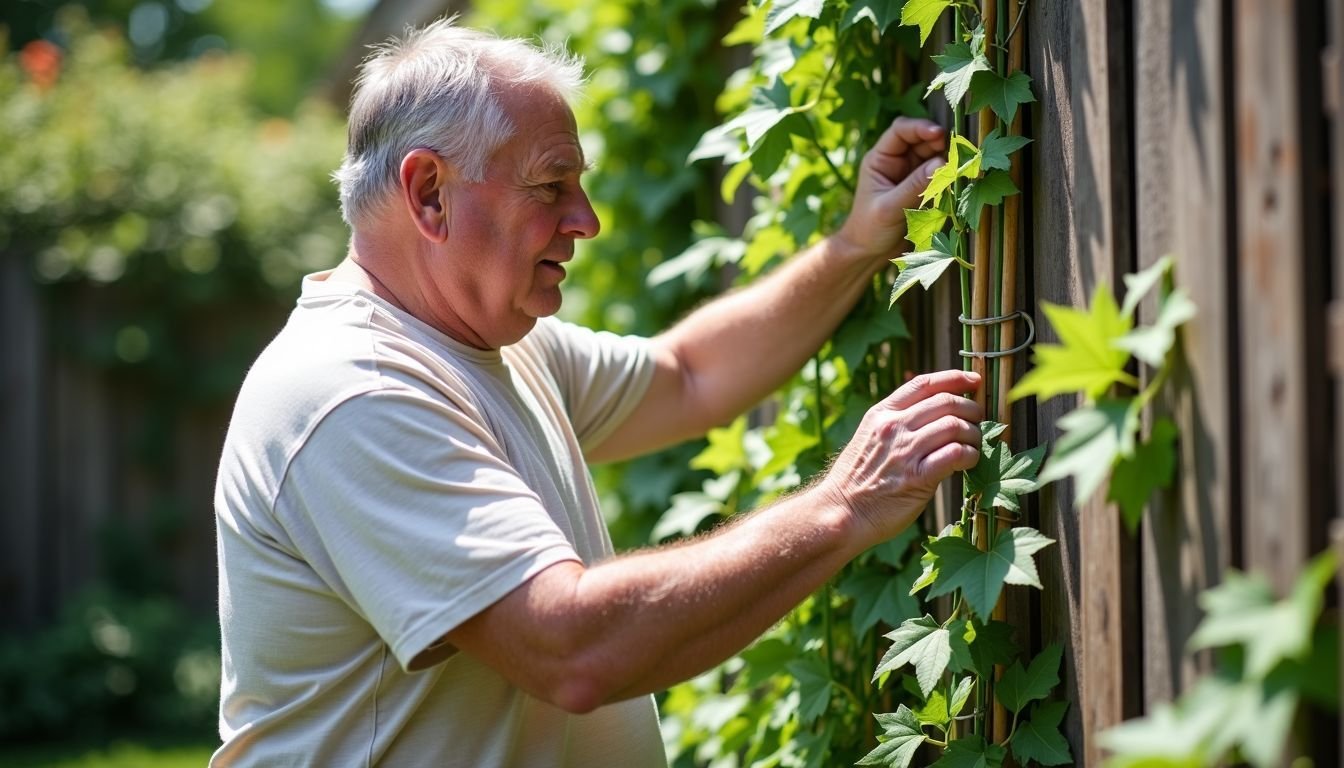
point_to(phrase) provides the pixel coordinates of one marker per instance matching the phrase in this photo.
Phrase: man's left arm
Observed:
(726, 356)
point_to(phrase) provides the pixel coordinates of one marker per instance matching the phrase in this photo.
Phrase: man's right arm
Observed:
(580, 637)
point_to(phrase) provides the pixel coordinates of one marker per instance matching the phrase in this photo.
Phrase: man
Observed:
(413, 568)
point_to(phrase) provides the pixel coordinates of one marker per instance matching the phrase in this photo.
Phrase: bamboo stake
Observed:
(1012, 209)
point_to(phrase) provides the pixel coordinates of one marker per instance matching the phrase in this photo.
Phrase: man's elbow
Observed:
(582, 684)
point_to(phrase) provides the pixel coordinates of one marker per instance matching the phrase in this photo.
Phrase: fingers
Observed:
(943, 404)
(925, 137)
(927, 385)
(952, 457)
(907, 192)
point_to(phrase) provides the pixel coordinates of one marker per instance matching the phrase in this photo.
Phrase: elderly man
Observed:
(413, 567)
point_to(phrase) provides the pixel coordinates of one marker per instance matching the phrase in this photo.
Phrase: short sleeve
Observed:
(407, 509)
(602, 376)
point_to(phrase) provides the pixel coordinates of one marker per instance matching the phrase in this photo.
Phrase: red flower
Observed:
(42, 61)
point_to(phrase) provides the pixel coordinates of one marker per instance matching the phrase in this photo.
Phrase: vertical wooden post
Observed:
(1184, 209)
(1271, 263)
(1081, 237)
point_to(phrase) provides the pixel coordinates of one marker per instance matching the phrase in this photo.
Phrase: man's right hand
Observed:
(905, 446)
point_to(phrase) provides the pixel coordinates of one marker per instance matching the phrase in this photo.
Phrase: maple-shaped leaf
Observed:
(923, 14)
(988, 644)
(996, 150)
(1038, 738)
(879, 596)
(1087, 359)
(981, 574)
(871, 324)
(1020, 686)
(901, 737)
(1094, 436)
(924, 267)
(1242, 611)
(881, 12)
(814, 687)
(933, 711)
(922, 224)
(1136, 477)
(922, 643)
(1139, 284)
(957, 64)
(1001, 475)
(971, 752)
(1150, 343)
(784, 11)
(942, 178)
(1001, 94)
(990, 189)
(725, 451)
(960, 695)
(929, 561)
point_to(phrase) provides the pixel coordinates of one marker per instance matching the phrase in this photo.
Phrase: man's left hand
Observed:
(892, 176)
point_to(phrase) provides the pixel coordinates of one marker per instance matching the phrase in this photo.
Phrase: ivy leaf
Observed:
(1039, 738)
(901, 736)
(725, 451)
(786, 441)
(688, 511)
(1094, 435)
(879, 596)
(1087, 359)
(1019, 687)
(881, 12)
(971, 752)
(1152, 342)
(958, 64)
(1001, 94)
(1242, 611)
(980, 575)
(784, 11)
(874, 324)
(814, 687)
(1000, 475)
(923, 267)
(859, 103)
(945, 176)
(1136, 477)
(989, 190)
(960, 695)
(996, 150)
(1138, 284)
(922, 224)
(990, 644)
(923, 14)
(929, 561)
(922, 643)
(934, 711)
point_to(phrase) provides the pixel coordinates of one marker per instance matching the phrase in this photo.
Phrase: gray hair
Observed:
(438, 88)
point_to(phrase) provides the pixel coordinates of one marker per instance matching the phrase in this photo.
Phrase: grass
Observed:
(120, 754)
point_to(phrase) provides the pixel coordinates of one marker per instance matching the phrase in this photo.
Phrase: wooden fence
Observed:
(1211, 130)
(1204, 130)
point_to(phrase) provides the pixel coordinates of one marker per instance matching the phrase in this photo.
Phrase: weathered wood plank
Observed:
(1081, 237)
(1183, 209)
(1271, 258)
(21, 598)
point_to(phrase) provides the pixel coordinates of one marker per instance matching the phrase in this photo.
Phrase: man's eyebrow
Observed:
(565, 166)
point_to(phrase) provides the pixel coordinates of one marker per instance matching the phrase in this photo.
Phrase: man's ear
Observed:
(424, 180)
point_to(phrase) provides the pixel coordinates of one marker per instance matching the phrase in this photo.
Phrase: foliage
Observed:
(1274, 655)
(114, 662)
(1101, 437)
(292, 42)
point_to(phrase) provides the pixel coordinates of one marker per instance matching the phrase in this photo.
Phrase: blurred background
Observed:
(164, 184)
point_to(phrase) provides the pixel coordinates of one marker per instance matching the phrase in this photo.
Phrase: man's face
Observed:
(509, 235)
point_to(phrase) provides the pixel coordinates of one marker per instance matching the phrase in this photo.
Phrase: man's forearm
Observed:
(739, 348)
(645, 621)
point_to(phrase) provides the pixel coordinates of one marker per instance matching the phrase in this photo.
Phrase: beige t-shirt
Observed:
(380, 484)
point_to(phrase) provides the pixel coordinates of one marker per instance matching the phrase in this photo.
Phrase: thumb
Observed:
(914, 184)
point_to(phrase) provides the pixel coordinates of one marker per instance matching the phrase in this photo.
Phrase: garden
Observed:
(1121, 250)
